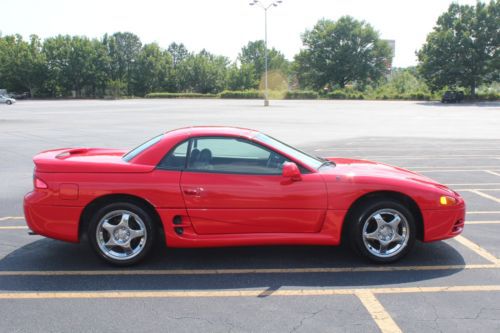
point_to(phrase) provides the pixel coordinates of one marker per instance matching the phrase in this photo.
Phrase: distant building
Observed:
(392, 45)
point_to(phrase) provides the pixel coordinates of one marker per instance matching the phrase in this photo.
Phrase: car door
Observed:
(235, 186)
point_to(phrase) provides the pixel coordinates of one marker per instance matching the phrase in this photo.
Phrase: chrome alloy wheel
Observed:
(121, 235)
(385, 233)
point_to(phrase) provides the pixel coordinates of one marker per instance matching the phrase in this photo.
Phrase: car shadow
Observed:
(50, 255)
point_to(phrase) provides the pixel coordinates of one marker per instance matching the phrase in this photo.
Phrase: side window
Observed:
(176, 158)
(232, 155)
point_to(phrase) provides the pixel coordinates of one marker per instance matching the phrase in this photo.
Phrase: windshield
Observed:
(305, 158)
(136, 151)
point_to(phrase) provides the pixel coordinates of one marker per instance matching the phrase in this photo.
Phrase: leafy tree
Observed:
(152, 69)
(123, 49)
(203, 73)
(115, 88)
(71, 64)
(99, 73)
(242, 77)
(405, 80)
(463, 48)
(253, 54)
(178, 52)
(341, 52)
(22, 64)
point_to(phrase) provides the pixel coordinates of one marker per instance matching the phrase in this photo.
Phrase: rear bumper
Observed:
(443, 223)
(58, 222)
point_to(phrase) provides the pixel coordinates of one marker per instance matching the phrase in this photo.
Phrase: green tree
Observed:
(203, 73)
(22, 64)
(152, 69)
(463, 48)
(123, 50)
(253, 54)
(75, 64)
(242, 77)
(178, 52)
(341, 52)
(406, 80)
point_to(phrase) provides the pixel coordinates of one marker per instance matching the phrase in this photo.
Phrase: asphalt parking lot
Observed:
(448, 286)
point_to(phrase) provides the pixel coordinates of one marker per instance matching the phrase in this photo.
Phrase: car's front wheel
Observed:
(121, 233)
(8, 102)
(382, 230)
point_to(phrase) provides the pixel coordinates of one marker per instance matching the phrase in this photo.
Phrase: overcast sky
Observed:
(223, 26)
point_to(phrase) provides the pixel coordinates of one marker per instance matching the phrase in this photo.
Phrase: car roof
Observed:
(215, 131)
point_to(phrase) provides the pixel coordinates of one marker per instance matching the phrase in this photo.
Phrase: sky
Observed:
(224, 26)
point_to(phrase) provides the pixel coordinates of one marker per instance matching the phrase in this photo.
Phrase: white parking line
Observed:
(451, 170)
(482, 222)
(483, 212)
(472, 167)
(377, 311)
(473, 184)
(242, 293)
(493, 173)
(477, 189)
(396, 149)
(5, 218)
(426, 157)
(477, 249)
(14, 227)
(237, 271)
(484, 195)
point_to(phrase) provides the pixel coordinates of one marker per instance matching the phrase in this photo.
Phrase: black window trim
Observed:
(303, 169)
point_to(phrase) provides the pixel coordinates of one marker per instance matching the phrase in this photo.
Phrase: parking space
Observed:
(440, 286)
(445, 311)
(202, 314)
(485, 233)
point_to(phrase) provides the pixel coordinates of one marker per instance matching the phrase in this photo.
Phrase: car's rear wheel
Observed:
(121, 233)
(8, 102)
(382, 230)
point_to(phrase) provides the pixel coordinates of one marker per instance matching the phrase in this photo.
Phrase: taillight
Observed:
(38, 183)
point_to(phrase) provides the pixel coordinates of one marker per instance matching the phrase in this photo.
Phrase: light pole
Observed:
(265, 7)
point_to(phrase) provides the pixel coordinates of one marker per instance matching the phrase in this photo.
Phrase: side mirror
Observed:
(291, 170)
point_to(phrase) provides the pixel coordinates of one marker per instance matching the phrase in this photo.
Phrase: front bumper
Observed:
(444, 223)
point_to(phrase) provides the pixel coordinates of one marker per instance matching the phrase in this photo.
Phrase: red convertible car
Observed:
(224, 186)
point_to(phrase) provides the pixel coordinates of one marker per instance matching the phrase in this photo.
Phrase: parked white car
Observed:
(7, 100)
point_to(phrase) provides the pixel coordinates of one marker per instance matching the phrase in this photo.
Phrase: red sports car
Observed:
(224, 186)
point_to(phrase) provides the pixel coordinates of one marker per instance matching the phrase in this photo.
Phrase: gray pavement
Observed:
(204, 289)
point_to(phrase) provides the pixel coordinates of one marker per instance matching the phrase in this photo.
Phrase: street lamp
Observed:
(265, 7)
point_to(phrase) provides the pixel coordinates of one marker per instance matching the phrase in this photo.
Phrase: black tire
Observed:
(139, 220)
(8, 102)
(363, 216)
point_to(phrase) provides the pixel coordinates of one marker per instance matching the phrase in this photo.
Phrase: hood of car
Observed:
(364, 171)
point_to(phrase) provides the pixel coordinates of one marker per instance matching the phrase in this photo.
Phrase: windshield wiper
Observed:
(325, 161)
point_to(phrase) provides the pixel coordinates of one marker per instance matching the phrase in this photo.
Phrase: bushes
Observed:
(414, 96)
(382, 93)
(179, 95)
(488, 96)
(301, 94)
(241, 94)
(346, 93)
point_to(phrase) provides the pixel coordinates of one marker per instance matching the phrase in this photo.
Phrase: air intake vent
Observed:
(177, 220)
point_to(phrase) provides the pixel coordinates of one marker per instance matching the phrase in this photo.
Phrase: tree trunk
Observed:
(473, 90)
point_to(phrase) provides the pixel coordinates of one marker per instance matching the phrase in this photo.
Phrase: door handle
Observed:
(192, 191)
